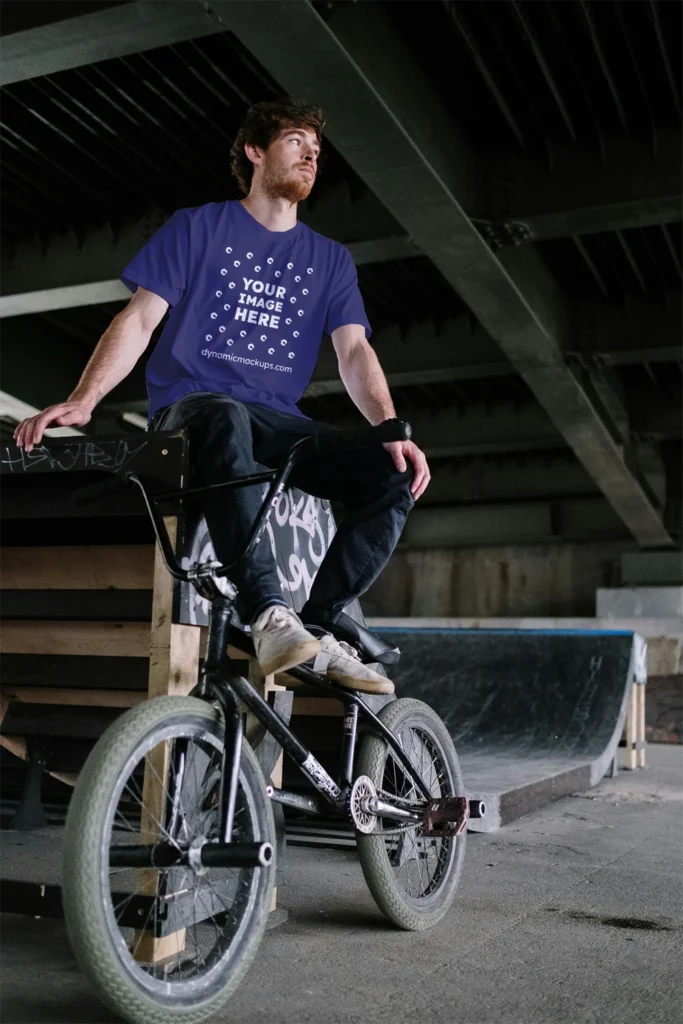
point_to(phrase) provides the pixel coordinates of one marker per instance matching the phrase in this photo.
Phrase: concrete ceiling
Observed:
(514, 211)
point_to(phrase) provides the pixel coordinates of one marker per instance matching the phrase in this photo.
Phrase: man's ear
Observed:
(253, 153)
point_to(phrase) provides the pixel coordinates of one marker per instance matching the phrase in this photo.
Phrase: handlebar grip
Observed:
(362, 437)
(113, 484)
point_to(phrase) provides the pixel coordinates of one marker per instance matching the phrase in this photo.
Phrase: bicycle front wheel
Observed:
(163, 945)
(412, 877)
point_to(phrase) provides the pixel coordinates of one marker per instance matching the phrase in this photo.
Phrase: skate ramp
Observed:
(534, 714)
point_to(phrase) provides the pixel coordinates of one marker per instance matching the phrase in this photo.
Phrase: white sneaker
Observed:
(280, 640)
(341, 663)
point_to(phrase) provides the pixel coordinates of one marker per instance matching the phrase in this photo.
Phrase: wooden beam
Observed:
(79, 698)
(105, 639)
(78, 567)
(318, 706)
(173, 669)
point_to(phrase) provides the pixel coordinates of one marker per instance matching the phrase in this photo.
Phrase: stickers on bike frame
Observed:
(320, 777)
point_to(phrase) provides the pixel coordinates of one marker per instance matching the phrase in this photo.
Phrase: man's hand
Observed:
(401, 451)
(65, 414)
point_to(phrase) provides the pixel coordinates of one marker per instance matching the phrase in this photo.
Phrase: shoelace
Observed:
(333, 646)
(277, 619)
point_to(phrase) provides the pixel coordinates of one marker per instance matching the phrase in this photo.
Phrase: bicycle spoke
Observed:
(419, 861)
(147, 903)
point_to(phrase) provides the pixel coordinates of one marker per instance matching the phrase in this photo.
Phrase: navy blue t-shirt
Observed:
(249, 306)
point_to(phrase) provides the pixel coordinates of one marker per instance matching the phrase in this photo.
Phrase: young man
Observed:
(251, 292)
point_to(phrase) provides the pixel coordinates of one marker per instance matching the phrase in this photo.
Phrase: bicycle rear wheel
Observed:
(163, 945)
(412, 877)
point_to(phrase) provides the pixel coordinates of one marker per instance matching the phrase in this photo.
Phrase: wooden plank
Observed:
(640, 704)
(264, 685)
(77, 605)
(173, 669)
(631, 721)
(17, 745)
(106, 639)
(58, 720)
(78, 567)
(83, 673)
(326, 707)
(82, 698)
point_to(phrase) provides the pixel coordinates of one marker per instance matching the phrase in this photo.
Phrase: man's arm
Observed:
(117, 352)
(363, 378)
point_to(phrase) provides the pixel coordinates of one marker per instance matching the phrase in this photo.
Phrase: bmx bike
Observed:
(169, 866)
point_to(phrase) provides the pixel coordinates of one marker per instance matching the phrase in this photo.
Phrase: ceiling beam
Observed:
(388, 123)
(88, 38)
(640, 331)
(481, 430)
(520, 522)
(14, 409)
(84, 272)
(423, 354)
(626, 186)
(537, 475)
(38, 365)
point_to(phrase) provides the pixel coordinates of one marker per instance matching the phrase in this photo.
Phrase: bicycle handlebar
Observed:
(334, 441)
(324, 444)
(361, 437)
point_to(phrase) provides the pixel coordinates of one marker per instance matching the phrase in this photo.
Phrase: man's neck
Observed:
(273, 214)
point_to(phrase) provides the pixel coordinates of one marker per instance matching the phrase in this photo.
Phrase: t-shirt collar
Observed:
(257, 226)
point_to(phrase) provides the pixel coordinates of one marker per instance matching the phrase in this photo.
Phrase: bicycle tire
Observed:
(87, 907)
(400, 907)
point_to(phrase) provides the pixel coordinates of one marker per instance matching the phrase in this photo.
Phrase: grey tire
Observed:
(378, 859)
(91, 922)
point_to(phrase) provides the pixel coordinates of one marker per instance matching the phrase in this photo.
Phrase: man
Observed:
(251, 291)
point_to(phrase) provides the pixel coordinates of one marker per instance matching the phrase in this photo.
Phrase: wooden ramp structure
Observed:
(93, 624)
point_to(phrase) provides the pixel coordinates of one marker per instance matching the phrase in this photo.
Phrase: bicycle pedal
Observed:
(446, 817)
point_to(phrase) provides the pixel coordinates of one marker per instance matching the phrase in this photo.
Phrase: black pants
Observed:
(229, 439)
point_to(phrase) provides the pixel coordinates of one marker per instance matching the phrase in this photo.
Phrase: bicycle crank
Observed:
(366, 806)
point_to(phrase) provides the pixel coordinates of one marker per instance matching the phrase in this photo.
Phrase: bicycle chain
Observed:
(397, 829)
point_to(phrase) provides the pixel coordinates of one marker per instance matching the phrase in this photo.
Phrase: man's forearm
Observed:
(365, 382)
(117, 352)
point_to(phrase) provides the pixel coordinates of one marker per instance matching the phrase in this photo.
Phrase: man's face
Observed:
(290, 164)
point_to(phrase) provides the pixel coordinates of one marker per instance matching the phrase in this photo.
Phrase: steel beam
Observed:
(629, 187)
(424, 354)
(388, 123)
(114, 32)
(641, 331)
(85, 272)
(523, 522)
(534, 476)
(481, 430)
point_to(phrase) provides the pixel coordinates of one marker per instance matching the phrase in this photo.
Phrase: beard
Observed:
(293, 187)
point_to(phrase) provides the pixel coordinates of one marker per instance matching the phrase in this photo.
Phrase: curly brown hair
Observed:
(262, 124)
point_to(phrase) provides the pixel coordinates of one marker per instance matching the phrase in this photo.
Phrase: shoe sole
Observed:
(384, 688)
(293, 656)
(361, 685)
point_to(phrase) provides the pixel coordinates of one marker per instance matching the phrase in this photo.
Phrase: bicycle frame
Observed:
(221, 681)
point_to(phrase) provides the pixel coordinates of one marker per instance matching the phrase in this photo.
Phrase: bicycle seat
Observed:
(370, 646)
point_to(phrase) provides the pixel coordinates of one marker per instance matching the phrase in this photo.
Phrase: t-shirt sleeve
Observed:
(346, 303)
(163, 264)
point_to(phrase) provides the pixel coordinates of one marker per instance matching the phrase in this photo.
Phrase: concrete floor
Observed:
(571, 915)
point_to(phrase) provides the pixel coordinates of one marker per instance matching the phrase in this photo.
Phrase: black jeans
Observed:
(229, 439)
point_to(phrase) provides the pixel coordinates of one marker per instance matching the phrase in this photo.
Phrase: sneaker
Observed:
(342, 664)
(280, 640)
